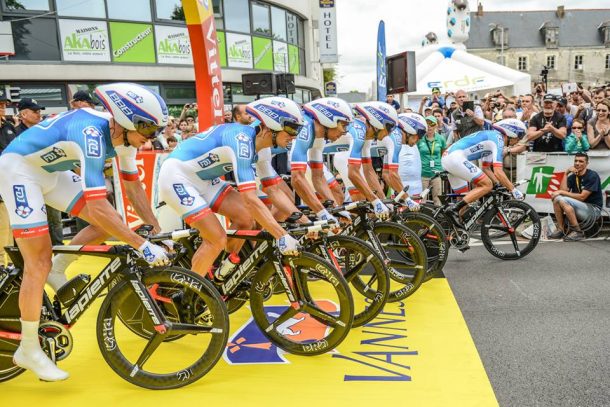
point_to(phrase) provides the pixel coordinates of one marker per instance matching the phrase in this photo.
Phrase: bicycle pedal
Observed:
(464, 249)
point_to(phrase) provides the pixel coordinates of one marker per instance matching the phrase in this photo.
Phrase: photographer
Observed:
(467, 118)
(539, 92)
(189, 113)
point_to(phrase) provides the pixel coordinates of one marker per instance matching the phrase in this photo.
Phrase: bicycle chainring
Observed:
(459, 239)
(55, 339)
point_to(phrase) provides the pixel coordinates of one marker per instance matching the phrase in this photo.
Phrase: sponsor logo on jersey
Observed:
(243, 146)
(93, 142)
(304, 133)
(209, 160)
(135, 97)
(23, 208)
(55, 154)
(216, 181)
(186, 199)
(470, 167)
(250, 346)
(475, 149)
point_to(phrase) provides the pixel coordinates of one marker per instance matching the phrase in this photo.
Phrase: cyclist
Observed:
(189, 183)
(36, 169)
(376, 121)
(486, 145)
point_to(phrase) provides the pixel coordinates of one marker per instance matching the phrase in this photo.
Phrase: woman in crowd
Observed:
(598, 128)
(577, 141)
(431, 148)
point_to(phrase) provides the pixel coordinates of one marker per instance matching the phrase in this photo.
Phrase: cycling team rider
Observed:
(36, 169)
(189, 179)
(487, 146)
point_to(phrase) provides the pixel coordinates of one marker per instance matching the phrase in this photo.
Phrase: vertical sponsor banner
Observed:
(263, 53)
(208, 77)
(280, 56)
(173, 45)
(222, 48)
(293, 59)
(328, 32)
(84, 40)
(132, 42)
(239, 50)
(381, 64)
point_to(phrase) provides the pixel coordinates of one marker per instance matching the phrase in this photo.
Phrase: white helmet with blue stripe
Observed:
(413, 123)
(380, 115)
(510, 127)
(134, 107)
(276, 113)
(329, 111)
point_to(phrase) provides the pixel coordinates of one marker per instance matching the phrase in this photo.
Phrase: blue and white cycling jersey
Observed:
(392, 144)
(486, 145)
(77, 138)
(353, 142)
(219, 150)
(306, 149)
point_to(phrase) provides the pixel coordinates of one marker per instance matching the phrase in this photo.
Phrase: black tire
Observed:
(9, 321)
(431, 233)
(312, 276)
(407, 257)
(496, 235)
(363, 269)
(203, 350)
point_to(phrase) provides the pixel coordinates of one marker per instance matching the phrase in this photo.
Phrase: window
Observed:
(80, 8)
(550, 61)
(260, 19)
(135, 10)
(36, 40)
(169, 10)
(236, 16)
(218, 21)
(301, 33)
(291, 26)
(278, 23)
(46, 95)
(522, 64)
(551, 37)
(578, 62)
(27, 5)
(607, 61)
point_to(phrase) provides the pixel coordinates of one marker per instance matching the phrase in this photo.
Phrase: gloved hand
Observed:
(412, 205)
(325, 215)
(381, 211)
(518, 195)
(155, 255)
(345, 214)
(288, 245)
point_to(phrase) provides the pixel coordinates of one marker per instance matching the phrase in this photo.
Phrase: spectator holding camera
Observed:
(189, 113)
(577, 141)
(547, 129)
(467, 118)
(562, 108)
(528, 108)
(598, 128)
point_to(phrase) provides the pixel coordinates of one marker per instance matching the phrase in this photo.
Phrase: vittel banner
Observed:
(173, 45)
(84, 40)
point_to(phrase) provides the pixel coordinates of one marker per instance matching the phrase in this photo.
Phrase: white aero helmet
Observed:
(277, 113)
(329, 111)
(134, 107)
(380, 115)
(510, 127)
(413, 123)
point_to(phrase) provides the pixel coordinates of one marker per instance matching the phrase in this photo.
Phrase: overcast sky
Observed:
(406, 24)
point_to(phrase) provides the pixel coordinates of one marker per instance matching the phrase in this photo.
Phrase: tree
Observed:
(329, 75)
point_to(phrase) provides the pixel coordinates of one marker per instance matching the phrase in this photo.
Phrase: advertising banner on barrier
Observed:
(84, 40)
(545, 172)
(328, 32)
(173, 45)
(239, 50)
(132, 42)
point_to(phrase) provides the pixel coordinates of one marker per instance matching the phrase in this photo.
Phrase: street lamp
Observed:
(492, 28)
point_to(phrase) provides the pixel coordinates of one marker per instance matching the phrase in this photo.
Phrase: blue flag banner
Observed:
(381, 66)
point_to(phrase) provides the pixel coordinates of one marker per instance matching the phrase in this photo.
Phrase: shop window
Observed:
(80, 8)
(133, 10)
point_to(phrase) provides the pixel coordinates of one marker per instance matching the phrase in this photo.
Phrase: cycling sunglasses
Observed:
(147, 127)
(291, 128)
(389, 126)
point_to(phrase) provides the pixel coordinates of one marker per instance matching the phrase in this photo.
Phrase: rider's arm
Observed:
(320, 184)
(391, 177)
(371, 177)
(281, 201)
(353, 172)
(305, 191)
(104, 216)
(261, 214)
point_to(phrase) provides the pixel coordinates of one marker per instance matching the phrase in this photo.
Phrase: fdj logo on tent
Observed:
(543, 181)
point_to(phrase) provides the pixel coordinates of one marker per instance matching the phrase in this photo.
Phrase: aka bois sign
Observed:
(328, 32)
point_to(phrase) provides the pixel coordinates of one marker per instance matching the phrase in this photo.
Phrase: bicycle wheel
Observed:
(9, 321)
(319, 320)
(199, 331)
(502, 227)
(363, 269)
(406, 253)
(434, 238)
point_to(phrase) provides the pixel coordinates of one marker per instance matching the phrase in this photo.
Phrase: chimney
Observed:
(561, 11)
(480, 10)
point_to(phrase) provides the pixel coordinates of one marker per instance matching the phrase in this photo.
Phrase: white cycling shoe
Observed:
(39, 363)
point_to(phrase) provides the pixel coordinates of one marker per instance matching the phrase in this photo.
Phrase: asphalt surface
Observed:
(541, 324)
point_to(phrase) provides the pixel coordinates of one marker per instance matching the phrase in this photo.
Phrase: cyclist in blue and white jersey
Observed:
(377, 120)
(486, 145)
(35, 169)
(189, 178)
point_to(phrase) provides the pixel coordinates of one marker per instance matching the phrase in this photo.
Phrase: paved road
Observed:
(541, 324)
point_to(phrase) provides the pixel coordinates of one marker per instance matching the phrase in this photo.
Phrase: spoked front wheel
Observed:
(503, 230)
(138, 349)
(321, 316)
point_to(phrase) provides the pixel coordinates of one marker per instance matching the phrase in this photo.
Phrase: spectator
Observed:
(466, 121)
(189, 131)
(443, 128)
(562, 107)
(548, 128)
(431, 149)
(81, 99)
(407, 110)
(409, 167)
(241, 116)
(577, 141)
(394, 103)
(529, 109)
(172, 142)
(583, 109)
(515, 146)
(189, 113)
(579, 198)
(29, 114)
(436, 98)
(191, 121)
(598, 128)
(228, 116)
(7, 134)
(182, 125)
(598, 95)
(539, 93)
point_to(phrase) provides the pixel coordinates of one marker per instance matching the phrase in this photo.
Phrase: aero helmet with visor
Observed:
(413, 123)
(380, 115)
(278, 114)
(329, 111)
(510, 127)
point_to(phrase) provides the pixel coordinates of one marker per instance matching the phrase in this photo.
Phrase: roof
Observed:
(578, 28)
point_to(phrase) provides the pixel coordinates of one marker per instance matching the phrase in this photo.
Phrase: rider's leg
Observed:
(233, 207)
(214, 240)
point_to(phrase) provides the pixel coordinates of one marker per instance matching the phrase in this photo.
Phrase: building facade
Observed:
(62, 46)
(573, 44)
